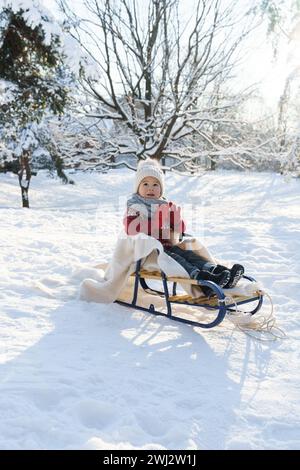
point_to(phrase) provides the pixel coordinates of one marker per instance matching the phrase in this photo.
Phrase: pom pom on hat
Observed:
(149, 167)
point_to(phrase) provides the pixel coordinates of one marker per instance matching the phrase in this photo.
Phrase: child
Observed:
(149, 212)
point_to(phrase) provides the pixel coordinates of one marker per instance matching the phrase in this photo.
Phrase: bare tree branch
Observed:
(157, 67)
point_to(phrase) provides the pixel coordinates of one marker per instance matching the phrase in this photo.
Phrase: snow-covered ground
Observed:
(82, 375)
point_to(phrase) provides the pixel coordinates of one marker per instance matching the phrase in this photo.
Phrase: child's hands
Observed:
(175, 216)
(166, 218)
(176, 221)
(161, 218)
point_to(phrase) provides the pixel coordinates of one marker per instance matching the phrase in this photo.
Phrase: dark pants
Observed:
(190, 261)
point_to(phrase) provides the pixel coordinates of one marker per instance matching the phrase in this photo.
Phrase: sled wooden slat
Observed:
(213, 302)
(157, 276)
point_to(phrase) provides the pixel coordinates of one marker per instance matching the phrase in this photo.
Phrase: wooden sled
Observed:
(219, 303)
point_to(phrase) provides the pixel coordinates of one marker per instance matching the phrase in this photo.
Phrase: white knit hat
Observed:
(149, 167)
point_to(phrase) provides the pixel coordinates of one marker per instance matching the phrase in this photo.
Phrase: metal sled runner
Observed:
(219, 303)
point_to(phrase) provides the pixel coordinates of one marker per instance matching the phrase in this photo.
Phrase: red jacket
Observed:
(159, 226)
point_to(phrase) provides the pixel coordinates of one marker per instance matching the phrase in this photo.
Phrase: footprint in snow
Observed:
(96, 414)
(154, 425)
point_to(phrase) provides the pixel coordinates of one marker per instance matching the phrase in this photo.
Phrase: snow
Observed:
(35, 14)
(77, 375)
(6, 91)
(42, 14)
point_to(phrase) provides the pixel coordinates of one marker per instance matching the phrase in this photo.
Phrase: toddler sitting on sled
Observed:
(150, 213)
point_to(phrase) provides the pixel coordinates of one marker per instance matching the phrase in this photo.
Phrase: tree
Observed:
(34, 80)
(284, 29)
(157, 69)
(24, 176)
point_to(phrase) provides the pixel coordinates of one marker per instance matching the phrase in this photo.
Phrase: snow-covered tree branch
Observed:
(157, 67)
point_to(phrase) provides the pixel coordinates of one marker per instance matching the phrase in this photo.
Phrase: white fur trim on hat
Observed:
(149, 167)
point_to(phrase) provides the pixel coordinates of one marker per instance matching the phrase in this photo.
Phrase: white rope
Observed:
(258, 326)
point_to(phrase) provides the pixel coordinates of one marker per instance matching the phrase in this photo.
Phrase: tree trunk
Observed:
(59, 164)
(283, 113)
(213, 164)
(24, 179)
(163, 162)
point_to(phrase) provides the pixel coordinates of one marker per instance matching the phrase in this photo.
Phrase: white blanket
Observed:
(128, 250)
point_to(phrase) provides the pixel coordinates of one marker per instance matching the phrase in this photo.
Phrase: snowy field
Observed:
(77, 375)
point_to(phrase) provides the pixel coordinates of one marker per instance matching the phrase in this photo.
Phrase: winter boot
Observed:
(236, 272)
(220, 279)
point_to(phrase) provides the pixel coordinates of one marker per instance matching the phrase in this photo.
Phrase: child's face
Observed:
(149, 188)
